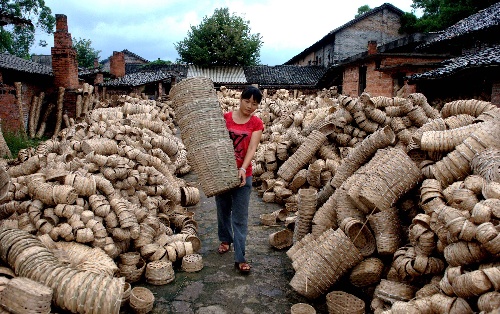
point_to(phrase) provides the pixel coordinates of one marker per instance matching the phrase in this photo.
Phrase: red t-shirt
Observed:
(241, 135)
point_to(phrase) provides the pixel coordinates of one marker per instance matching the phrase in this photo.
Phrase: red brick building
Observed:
(22, 80)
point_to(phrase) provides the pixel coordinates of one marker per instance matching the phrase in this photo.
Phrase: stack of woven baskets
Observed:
(71, 289)
(203, 131)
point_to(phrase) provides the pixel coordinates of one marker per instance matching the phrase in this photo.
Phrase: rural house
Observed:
(380, 24)
(473, 71)
(381, 70)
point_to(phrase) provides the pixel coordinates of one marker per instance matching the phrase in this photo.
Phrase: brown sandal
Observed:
(244, 267)
(224, 247)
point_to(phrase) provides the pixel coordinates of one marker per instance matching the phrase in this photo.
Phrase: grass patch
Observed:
(17, 141)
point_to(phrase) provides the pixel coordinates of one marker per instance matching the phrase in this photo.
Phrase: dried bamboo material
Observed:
(59, 109)
(43, 124)
(32, 115)
(386, 185)
(456, 165)
(31, 259)
(446, 141)
(210, 151)
(471, 107)
(321, 269)
(359, 155)
(23, 295)
(486, 164)
(19, 102)
(305, 152)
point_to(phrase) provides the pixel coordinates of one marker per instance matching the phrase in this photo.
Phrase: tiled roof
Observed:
(8, 61)
(287, 75)
(219, 74)
(139, 78)
(484, 58)
(482, 20)
(130, 53)
(346, 25)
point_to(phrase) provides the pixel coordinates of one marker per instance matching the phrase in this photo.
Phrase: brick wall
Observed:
(384, 82)
(350, 82)
(117, 64)
(64, 63)
(9, 111)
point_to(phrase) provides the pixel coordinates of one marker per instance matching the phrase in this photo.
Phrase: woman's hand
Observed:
(242, 174)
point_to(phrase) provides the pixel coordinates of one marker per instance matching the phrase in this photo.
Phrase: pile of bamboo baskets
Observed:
(392, 199)
(108, 184)
(412, 189)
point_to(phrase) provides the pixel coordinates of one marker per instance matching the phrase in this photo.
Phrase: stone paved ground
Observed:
(218, 288)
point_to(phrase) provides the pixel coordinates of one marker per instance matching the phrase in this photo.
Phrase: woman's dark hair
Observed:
(250, 91)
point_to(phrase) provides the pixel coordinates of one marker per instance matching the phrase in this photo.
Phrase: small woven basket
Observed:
(367, 273)
(302, 308)
(134, 274)
(281, 239)
(141, 300)
(159, 272)
(340, 302)
(192, 263)
(23, 295)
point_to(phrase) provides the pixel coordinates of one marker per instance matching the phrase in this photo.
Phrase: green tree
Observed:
(25, 16)
(222, 39)
(159, 62)
(362, 10)
(85, 54)
(440, 14)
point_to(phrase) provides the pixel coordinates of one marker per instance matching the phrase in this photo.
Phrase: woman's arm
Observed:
(252, 148)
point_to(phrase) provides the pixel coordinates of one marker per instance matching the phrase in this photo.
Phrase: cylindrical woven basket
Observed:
(302, 155)
(387, 231)
(302, 308)
(360, 235)
(159, 272)
(141, 300)
(210, 149)
(392, 291)
(325, 263)
(190, 196)
(23, 295)
(340, 302)
(192, 262)
(281, 239)
(367, 273)
(215, 166)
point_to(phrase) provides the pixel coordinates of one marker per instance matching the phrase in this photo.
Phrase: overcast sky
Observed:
(149, 28)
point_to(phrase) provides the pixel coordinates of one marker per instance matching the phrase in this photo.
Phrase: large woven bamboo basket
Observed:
(209, 147)
(215, 166)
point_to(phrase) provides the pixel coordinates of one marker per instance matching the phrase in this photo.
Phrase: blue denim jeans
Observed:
(232, 218)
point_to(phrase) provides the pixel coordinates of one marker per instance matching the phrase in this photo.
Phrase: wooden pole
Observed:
(31, 123)
(79, 106)
(46, 115)
(38, 110)
(19, 100)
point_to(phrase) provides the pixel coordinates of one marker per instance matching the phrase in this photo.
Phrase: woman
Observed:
(245, 130)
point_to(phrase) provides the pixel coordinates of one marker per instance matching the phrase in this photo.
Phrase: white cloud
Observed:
(150, 28)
